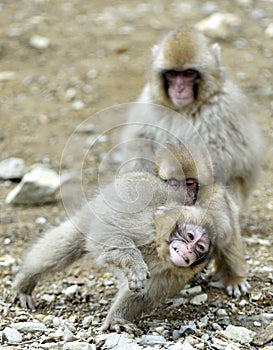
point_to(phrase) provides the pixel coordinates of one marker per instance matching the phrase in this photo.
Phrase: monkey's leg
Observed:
(53, 251)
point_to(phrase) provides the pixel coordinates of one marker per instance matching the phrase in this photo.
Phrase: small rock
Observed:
(71, 290)
(12, 335)
(191, 291)
(68, 336)
(150, 339)
(220, 25)
(29, 327)
(49, 298)
(199, 299)
(76, 345)
(182, 344)
(190, 328)
(92, 73)
(38, 186)
(41, 220)
(39, 42)
(209, 7)
(78, 105)
(240, 334)
(269, 31)
(7, 76)
(7, 260)
(264, 336)
(117, 341)
(221, 312)
(12, 169)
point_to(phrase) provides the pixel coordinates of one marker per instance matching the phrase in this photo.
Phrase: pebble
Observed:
(7, 260)
(38, 186)
(12, 169)
(41, 220)
(269, 31)
(220, 25)
(12, 335)
(149, 339)
(76, 345)
(191, 291)
(199, 299)
(7, 76)
(71, 290)
(239, 334)
(39, 42)
(49, 298)
(77, 105)
(190, 328)
(29, 327)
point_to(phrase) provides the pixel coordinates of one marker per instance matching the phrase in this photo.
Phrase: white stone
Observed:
(7, 75)
(76, 345)
(39, 42)
(6, 260)
(239, 334)
(220, 25)
(199, 299)
(269, 31)
(191, 291)
(29, 327)
(12, 168)
(38, 186)
(12, 335)
(71, 290)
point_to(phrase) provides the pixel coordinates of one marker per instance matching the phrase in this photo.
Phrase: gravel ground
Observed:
(62, 61)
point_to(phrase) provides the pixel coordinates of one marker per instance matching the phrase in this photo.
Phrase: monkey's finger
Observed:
(245, 287)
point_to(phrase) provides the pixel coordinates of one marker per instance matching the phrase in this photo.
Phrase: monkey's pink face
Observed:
(189, 244)
(182, 86)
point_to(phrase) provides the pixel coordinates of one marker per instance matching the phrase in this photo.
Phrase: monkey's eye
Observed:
(190, 182)
(190, 236)
(200, 247)
(171, 74)
(190, 73)
(173, 182)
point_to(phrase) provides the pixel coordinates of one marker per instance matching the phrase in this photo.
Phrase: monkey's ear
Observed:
(165, 220)
(216, 48)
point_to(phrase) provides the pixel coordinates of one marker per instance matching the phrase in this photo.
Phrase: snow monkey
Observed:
(158, 231)
(187, 76)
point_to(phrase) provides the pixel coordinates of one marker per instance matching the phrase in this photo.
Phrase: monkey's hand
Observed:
(25, 300)
(137, 276)
(237, 290)
(118, 325)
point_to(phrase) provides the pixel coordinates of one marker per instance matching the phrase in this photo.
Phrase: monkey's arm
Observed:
(55, 250)
(124, 255)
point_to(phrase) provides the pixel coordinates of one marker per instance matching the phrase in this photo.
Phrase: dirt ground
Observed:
(98, 56)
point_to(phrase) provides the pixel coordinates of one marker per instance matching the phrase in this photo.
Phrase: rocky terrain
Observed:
(64, 61)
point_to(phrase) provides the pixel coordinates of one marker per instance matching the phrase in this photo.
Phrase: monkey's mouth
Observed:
(177, 257)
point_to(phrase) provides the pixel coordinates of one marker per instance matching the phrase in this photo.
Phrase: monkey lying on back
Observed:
(151, 231)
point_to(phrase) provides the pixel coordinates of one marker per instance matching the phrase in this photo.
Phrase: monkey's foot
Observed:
(137, 276)
(237, 290)
(233, 289)
(25, 300)
(118, 325)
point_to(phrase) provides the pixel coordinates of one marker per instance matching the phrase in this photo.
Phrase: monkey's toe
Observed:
(119, 324)
(25, 301)
(237, 290)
